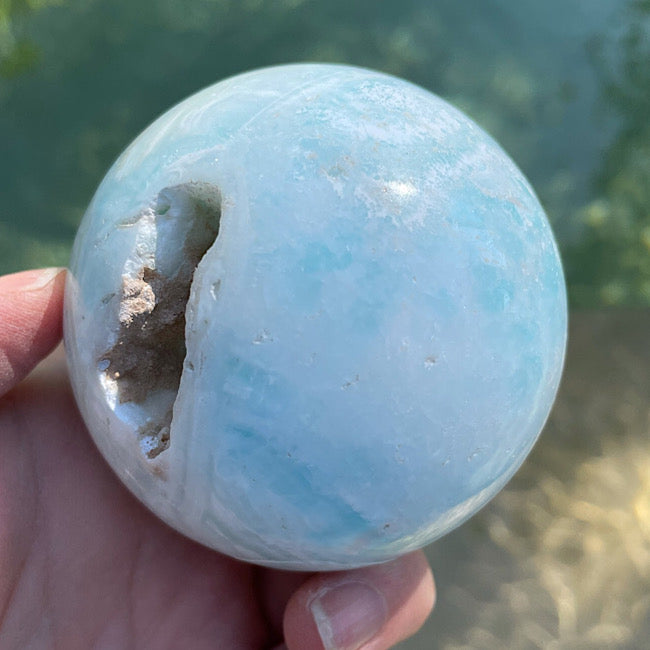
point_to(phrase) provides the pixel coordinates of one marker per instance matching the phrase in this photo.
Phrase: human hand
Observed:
(84, 565)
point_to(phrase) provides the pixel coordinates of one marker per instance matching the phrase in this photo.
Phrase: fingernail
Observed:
(34, 280)
(348, 615)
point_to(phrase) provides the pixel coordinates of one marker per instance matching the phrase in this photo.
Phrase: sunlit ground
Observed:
(561, 558)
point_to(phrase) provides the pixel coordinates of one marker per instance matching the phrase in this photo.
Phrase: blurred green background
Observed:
(561, 559)
(564, 86)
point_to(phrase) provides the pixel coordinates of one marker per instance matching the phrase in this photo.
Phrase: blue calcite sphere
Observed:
(315, 318)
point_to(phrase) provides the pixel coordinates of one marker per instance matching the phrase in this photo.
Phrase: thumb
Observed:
(31, 306)
(374, 607)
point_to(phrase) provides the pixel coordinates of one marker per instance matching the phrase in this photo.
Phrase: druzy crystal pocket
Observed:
(315, 317)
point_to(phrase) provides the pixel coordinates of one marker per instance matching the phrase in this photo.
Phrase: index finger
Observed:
(31, 310)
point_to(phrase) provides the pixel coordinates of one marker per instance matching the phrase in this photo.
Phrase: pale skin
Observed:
(83, 565)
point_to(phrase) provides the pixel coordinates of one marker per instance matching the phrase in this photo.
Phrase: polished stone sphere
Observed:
(316, 317)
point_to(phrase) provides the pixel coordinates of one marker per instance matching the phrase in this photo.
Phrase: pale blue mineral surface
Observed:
(371, 345)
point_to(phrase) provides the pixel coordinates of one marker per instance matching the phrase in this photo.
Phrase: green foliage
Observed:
(80, 78)
(17, 53)
(22, 56)
(610, 264)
